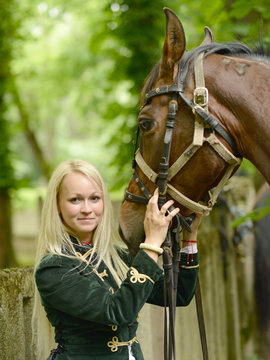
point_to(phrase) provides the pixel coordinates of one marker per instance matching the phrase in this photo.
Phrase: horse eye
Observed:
(146, 125)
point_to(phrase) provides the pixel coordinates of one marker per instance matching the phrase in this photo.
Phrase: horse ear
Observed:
(174, 45)
(208, 36)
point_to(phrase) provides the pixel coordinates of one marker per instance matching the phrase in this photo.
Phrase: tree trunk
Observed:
(7, 256)
(29, 133)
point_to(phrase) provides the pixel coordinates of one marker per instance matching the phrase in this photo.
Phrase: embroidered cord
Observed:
(85, 256)
(115, 343)
(137, 277)
(101, 275)
(189, 267)
(114, 327)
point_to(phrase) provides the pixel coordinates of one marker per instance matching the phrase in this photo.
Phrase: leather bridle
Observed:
(203, 119)
(199, 106)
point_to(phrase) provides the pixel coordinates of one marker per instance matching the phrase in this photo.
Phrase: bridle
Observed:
(203, 119)
(199, 107)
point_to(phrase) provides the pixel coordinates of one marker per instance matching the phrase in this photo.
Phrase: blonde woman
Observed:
(89, 289)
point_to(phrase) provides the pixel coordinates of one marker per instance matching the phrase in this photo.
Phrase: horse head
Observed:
(202, 155)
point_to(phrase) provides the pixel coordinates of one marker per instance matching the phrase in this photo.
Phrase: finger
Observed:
(154, 197)
(165, 208)
(171, 214)
(168, 204)
(155, 192)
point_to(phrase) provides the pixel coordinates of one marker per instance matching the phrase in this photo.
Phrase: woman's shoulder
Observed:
(56, 260)
(124, 255)
(52, 267)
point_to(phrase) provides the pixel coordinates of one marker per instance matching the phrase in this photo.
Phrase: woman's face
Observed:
(80, 204)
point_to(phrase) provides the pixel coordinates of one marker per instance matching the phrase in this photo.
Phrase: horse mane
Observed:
(149, 81)
(229, 49)
(261, 48)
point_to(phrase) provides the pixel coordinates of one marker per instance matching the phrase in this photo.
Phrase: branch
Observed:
(30, 135)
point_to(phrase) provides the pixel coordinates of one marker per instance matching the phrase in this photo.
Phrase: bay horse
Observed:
(218, 95)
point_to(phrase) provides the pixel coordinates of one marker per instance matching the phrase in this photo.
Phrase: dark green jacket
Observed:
(93, 318)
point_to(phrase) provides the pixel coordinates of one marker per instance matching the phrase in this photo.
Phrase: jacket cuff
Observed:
(146, 265)
(189, 260)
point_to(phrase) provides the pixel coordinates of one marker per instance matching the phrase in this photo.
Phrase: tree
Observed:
(7, 180)
(134, 34)
(137, 32)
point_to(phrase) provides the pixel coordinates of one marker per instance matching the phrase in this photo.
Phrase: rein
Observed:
(171, 249)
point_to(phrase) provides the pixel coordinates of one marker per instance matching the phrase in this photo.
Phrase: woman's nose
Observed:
(86, 207)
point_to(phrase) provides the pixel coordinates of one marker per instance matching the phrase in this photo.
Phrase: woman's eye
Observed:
(95, 198)
(146, 125)
(75, 200)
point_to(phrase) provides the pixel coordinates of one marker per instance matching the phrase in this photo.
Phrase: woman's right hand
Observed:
(156, 222)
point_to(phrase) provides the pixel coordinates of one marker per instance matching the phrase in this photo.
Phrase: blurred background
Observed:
(71, 74)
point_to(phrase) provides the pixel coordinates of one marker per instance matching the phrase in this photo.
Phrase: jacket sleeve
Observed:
(187, 277)
(86, 295)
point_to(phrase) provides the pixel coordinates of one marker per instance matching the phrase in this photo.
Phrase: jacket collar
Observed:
(80, 247)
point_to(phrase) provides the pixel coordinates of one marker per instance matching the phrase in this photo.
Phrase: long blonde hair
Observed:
(54, 237)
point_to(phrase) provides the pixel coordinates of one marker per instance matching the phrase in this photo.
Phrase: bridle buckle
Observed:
(200, 96)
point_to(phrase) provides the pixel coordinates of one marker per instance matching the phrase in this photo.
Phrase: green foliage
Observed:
(7, 34)
(240, 9)
(80, 65)
(57, 77)
(254, 215)
(134, 30)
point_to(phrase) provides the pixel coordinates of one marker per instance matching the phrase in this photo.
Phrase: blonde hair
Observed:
(54, 238)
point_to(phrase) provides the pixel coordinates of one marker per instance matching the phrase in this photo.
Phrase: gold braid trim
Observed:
(189, 267)
(137, 277)
(115, 343)
(111, 290)
(114, 327)
(85, 256)
(101, 275)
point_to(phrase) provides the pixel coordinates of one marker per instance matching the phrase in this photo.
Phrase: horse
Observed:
(217, 95)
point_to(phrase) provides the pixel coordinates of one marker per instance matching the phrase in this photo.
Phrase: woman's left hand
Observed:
(192, 236)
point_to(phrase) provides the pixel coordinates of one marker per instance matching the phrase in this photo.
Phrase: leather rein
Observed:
(171, 248)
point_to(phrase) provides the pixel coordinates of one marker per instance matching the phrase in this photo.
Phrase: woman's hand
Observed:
(187, 236)
(156, 223)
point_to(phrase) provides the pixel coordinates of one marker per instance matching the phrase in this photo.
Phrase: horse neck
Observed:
(239, 89)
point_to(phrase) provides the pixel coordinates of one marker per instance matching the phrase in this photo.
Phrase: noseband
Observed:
(203, 119)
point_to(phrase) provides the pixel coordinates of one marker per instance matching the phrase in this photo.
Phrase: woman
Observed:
(90, 288)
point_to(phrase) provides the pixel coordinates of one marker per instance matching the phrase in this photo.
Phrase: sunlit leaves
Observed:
(80, 66)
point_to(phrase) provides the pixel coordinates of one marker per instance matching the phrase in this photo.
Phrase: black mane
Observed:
(224, 49)
(235, 48)
(262, 50)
